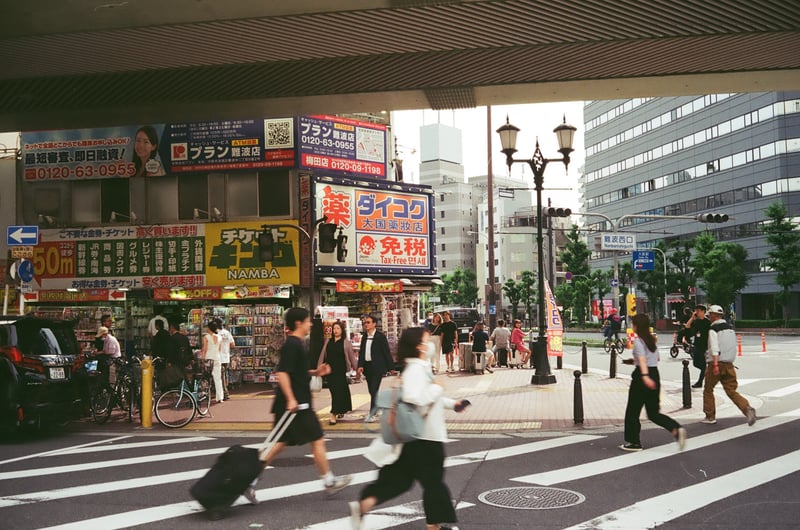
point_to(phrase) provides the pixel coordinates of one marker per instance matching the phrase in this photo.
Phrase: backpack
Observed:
(616, 322)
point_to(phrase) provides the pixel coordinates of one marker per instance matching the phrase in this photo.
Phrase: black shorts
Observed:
(305, 428)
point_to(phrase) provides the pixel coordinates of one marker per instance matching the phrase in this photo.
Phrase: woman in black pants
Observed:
(645, 389)
(421, 459)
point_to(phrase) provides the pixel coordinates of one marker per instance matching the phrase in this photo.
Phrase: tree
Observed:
(601, 284)
(784, 258)
(651, 283)
(682, 276)
(720, 267)
(460, 288)
(575, 259)
(512, 293)
(527, 283)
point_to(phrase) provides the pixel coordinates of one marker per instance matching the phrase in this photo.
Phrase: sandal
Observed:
(332, 421)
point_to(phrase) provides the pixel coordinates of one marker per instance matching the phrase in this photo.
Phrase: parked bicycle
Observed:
(124, 393)
(179, 406)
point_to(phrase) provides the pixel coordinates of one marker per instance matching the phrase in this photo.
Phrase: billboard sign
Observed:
(330, 143)
(388, 228)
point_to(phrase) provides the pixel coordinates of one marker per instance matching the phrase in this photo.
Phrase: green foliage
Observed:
(460, 288)
(784, 257)
(681, 275)
(513, 293)
(720, 267)
(575, 259)
(528, 282)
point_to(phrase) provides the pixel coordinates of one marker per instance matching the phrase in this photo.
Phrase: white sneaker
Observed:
(355, 515)
(751, 416)
(681, 438)
(710, 421)
(250, 495)
(338, 484)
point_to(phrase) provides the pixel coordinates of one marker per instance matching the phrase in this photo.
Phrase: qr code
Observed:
(279, 133)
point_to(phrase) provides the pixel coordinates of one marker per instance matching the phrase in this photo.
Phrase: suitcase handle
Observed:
(279, 428)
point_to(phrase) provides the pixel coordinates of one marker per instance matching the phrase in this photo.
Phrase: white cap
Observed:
(716, 309)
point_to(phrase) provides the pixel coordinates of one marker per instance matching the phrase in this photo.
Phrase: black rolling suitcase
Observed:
(235, 470)
(502, 357)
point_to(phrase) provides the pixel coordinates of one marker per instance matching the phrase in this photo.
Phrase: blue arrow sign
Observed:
(644, 260)
(25, 270)
(22, 235)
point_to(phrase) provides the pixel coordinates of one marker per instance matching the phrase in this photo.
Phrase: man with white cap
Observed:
(720, 356)
(109, 351)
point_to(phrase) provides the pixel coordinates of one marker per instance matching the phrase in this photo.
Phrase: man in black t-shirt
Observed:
(698, 326)
(294, 394)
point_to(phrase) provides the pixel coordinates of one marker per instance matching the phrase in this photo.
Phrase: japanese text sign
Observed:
(618, 241)
(344, 145)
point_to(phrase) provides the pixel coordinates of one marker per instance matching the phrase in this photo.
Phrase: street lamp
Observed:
(538, 163)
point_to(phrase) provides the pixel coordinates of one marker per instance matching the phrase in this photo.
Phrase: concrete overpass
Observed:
(88, 63)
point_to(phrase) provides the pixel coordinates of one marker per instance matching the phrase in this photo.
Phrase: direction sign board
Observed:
(25, 270)
(618, 241)
(614, 282)
(21, 252)
(22, 235)
(644, 260)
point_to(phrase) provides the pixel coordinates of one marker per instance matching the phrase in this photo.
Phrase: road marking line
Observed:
(135, 445)
(669, 506)
(388, 517)
(782, 392)
(57, 451)
(607, 465)
(155, 514)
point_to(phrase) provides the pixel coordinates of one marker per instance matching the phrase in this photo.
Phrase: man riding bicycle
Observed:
(612, 325)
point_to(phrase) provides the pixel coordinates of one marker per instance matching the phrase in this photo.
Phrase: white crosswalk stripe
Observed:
(283, 488)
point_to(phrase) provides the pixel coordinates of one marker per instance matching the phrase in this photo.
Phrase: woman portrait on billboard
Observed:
(145, 153)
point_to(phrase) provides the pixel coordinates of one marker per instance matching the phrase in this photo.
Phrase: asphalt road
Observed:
(730, 475)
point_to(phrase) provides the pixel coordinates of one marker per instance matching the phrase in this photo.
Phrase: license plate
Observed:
(56, 373)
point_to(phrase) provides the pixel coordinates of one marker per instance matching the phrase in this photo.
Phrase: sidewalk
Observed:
(504, 401)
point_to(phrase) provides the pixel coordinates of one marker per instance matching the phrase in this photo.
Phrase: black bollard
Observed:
(687, 386)
(612, 367)
(577, 403)
(584, 359)
(560, 361)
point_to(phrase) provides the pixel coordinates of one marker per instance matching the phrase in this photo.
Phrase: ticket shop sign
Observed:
(387, 227)
(330, 143)
(232, 254)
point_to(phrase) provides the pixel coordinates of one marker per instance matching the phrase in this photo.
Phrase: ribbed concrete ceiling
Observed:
(86, 63)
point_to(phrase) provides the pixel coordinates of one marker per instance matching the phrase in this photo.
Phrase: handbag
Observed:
(316, 383)
(401, 421)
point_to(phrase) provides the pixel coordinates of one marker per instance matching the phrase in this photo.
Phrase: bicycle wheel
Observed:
(673, 351)
(175, 408)
(102, 402)
(204, 391)
(620, 345)
(124, 386)
(607, 345)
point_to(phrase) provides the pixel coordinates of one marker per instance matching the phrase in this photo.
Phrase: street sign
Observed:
(492, 309)
(22, 235)
(644, 260)
(614, 282)
(22, 252)
(505, 193)
(568, 276)
(618, 241)
(25, 270)
(434, 299)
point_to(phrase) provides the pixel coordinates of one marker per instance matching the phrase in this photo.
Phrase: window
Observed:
(242, 195)
(162, 199)
(441, 214)
(442, 230)
(274, 198)
(192, 193)
(114, 197)
(444, 247)
(86, 202)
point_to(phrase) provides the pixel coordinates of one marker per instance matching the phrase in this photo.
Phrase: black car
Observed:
(36, 372)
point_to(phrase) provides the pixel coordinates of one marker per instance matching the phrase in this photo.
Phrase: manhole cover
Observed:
(527, 498)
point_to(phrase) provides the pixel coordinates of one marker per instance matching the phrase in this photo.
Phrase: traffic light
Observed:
(327, 238)
(552, 211)
(341, 250)
(266, 245)
(713, 218)
(630, 304)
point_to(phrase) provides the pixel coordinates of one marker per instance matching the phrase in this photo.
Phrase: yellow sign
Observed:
(22, 252)
(232, 256)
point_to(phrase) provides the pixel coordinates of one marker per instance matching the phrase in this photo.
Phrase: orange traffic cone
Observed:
(739, 343)
(763, 343)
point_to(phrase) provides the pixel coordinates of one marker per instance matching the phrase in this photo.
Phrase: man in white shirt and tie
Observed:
(374, 359)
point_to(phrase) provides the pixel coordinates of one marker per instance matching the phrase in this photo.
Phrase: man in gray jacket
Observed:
(720, 356)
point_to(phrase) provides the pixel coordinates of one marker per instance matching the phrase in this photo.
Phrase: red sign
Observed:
(358, 286)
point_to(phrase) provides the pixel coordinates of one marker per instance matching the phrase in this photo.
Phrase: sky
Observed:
(533, 120)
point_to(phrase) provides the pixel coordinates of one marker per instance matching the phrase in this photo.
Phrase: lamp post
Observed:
(538, 163)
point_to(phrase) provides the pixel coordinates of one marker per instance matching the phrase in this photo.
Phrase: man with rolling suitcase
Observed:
(296, 424)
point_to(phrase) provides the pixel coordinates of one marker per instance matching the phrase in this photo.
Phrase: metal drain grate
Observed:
(527, 498)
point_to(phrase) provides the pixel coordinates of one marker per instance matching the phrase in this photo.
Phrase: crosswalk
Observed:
(142, 480)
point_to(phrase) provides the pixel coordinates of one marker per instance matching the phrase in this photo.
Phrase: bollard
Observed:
(739, 344)
(560, 361)
(584, 358)
(146, 410)
(687, 386)
(612, 367)
(577, 403)
(763, 343)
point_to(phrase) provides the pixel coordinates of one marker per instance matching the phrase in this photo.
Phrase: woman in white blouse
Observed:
(421, 459)
(210, 352)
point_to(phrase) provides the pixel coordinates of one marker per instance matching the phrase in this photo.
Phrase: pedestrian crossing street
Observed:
(142, 480)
